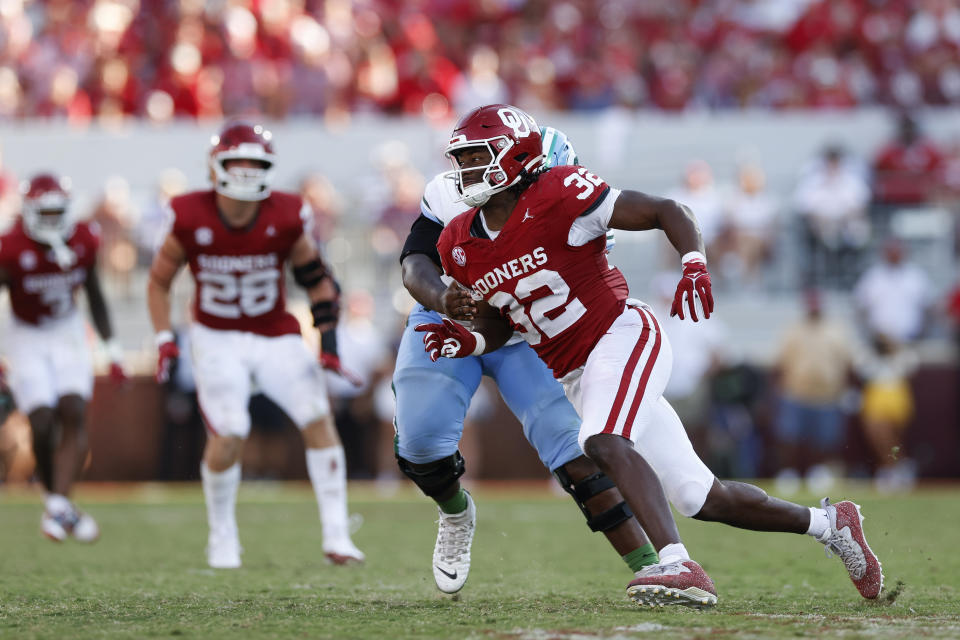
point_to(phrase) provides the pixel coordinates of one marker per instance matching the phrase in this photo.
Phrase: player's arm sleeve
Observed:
(423, 237)
(595, 219)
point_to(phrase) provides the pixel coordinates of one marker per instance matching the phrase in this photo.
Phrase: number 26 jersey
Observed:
(238, 272)
(547, 269)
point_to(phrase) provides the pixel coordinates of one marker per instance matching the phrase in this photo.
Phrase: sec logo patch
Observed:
(459, 256)
(28, 261)
(203, 236)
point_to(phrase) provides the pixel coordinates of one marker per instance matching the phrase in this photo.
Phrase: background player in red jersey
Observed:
(44, 259)
(237, 238)
(534, 251)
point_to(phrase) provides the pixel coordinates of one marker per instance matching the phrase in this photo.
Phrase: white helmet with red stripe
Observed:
(46, 198)
(239, 141)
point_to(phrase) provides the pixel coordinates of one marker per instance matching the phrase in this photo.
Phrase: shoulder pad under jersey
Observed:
(440, 201)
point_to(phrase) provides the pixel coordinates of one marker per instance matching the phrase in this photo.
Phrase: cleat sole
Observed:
(661, 596)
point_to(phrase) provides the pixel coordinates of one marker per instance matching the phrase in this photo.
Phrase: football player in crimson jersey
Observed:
(237, 239)
(432, 400)
(532, 249)
(44, 259)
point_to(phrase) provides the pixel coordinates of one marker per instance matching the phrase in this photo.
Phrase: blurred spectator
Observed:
(697, 353)
(893, 296)
(908, 170)
(362, 353)
(117, 217)
(700, 194)
(152, 225)
(887, 409)
(480, 84)
(9, 196)
(326, 204)
(112, 58)
(831, 201)
(750, 227)
(813, 366)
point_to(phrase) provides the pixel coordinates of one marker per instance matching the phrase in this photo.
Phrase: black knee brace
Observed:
(586, 489)
(435, 477)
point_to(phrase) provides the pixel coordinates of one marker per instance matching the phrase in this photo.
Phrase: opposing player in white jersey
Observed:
(237, 239)
(432, 400)
(44, 260)
(543, 271)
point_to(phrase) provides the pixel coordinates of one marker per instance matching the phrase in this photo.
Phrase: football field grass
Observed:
(538, 573)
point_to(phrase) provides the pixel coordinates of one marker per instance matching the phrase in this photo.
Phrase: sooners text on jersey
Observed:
(561, 298)
(40, 290)
(238, 273)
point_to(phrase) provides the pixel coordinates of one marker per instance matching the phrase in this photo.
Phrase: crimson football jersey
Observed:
(40, 290)
(238, 273)
(561, 298)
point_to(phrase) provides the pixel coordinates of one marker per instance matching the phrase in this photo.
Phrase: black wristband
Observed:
(328, 342)
(325, 312)
(311, 274)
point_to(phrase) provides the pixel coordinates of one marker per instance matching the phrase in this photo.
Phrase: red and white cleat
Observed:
(57, 526)
(683, 582)
(845, 538)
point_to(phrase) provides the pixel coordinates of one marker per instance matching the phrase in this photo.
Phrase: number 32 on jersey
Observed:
(536, 311)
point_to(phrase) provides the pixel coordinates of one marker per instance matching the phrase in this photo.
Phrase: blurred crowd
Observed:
(162, 59)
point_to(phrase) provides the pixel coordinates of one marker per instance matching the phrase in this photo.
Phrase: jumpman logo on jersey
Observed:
(527, 216)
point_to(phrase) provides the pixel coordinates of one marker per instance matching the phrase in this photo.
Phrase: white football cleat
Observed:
(342, 552)
(451, 554)
(85, 529)
(57, 526)
(223, 552)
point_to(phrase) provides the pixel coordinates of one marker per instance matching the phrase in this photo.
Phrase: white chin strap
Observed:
(476, 195)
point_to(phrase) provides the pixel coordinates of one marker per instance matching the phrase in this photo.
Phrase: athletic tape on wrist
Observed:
(115, 350)
(481, 343)
(163, 337)
(693, 256)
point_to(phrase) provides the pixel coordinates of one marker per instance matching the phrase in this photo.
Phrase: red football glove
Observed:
(118, 376)
(448, 340)
(115, 351)
(695, 283)
(330, 358)
(167, 354)
(331, 362)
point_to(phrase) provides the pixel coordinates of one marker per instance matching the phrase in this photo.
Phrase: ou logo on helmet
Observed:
(521, 123)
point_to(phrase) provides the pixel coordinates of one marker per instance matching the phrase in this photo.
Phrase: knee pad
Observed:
(433, 478)
(589, 487)
(689, 498)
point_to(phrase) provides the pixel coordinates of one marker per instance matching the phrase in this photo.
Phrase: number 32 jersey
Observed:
(547, 269)
(238, 273)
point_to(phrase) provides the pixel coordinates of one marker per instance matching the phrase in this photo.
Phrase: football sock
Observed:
(56, 503)
(641, 557)
(220, 491)
(456, 504)
(328, 475)
(819, 522)
(675, 552)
